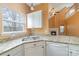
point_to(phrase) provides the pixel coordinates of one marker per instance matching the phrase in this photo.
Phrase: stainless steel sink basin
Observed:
(30, 38)
(25, 39)
(35, 37)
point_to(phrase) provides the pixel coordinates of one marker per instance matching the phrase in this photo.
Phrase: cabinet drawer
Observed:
(33, 44)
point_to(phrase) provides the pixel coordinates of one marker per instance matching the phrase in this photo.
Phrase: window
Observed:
(34, 19)
(12, 21)
(61, 29)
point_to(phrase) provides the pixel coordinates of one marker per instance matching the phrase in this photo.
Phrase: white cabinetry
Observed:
(56, 49)
(34, 49)
(17, 51)
(73, 50)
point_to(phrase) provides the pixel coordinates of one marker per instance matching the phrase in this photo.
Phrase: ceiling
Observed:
(53, 7)
(34, 4)
(56, 6)
(59, 6)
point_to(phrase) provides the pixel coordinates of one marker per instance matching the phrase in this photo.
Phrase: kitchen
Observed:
(39, 29)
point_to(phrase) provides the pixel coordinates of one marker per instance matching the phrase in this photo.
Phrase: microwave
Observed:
(54, 31)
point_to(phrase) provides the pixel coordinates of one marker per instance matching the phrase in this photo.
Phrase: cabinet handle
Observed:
(34, 44)
(70, 52)
(42, 46)
(8, 55)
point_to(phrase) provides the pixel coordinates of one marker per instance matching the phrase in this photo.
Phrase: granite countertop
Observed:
(59, 39)
(64, 39)
(13, 43)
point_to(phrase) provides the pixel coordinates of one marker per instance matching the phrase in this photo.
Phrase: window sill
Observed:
(15, 32)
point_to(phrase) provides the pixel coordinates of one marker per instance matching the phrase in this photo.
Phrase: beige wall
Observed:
(73, 25)
(52, 22)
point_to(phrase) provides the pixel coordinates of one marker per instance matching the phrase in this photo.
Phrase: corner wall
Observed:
(72, 24)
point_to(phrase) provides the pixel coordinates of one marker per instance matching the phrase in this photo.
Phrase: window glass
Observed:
(12, 21)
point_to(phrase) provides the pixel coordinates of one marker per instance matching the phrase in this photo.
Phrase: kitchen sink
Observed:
(31, 38)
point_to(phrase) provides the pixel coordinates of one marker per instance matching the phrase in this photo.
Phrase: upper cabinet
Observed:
(34, 19)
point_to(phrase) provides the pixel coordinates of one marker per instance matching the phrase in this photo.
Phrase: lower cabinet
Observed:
(60, 49)
(42, 48)
(27, 49)
(56, 49)
(17, 51)
(73, 53)
(73, 50)
(34, 49)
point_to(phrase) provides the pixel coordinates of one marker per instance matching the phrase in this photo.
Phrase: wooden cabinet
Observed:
(58, 19)
(17, 51)
(35, 49)
(56, 49)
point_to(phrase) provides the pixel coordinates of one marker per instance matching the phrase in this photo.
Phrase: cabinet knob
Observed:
(42, 46)
(34, 44)
(71, 52)
(8, 55)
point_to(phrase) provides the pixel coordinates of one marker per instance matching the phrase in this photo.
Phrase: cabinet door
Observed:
(73, 50)
(56, 49)
(34, 51)
(73, 53)
(17, 51)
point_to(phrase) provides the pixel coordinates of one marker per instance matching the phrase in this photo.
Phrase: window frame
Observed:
(24, 23)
